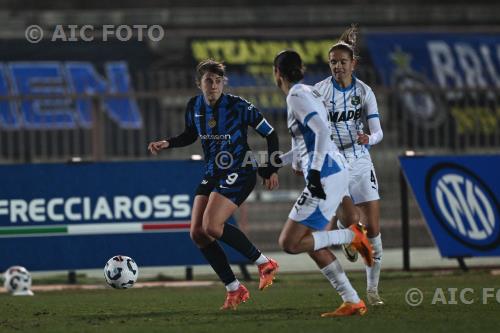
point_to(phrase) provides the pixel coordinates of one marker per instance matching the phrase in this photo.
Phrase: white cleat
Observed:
(350, 253)
(373, 298)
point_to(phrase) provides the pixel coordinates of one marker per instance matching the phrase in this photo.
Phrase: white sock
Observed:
(261, 260)
(335, 274)
(233, 286)
(373, 273)
(324, 239)
(340, 225)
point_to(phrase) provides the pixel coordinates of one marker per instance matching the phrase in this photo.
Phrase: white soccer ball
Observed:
(17, 281)
(121, 272)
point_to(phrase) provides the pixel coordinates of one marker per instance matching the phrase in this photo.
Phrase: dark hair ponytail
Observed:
(290, 65)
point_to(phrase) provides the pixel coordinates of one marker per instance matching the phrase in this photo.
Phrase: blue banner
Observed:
(76, 216)
(60, 78)
(452, 60)
(65, 68)
(458, 197)
(444, 83)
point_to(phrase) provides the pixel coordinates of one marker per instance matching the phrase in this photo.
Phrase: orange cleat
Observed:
(267, 272)
(234, 298)
(348, 309)
(361, 243)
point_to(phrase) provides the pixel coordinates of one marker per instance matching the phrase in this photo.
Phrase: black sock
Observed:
(216, 257)
(235, 238)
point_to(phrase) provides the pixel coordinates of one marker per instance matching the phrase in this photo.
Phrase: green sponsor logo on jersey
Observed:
(355, 100)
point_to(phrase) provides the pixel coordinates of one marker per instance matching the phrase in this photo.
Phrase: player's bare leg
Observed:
(213, 225)
(347, 214)
(218, 211)
(213, 252)
(198, 235)
(371, 214)
(296, 238)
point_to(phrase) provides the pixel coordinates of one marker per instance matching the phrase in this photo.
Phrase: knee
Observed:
(211, 228)
(288, 245)
(373, 230)
(198, 235)
(353, 218)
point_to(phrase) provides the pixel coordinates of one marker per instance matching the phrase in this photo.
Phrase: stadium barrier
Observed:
(160, 105)
(458, 196)
(76, 216)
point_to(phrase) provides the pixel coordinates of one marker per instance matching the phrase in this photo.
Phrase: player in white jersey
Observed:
(349, 101)
(326, 176)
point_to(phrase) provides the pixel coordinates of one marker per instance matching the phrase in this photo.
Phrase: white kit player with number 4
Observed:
(350, 101)
(345, 107)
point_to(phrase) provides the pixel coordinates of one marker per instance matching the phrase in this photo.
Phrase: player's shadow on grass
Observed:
(271, 312)
(134, 315)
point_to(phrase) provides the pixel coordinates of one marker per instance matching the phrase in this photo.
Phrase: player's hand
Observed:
(271, 168)
(297, 172)
(363, 138)
(272, 182)
(314, 184)
(155, 147)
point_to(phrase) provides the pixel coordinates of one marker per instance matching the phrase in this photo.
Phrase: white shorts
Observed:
(316, 213)
(363, 183)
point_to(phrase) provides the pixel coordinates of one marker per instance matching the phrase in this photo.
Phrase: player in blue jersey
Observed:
(221, 121)
(326, 174)
(349, 100)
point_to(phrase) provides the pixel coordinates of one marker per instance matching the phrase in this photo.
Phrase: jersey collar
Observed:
(219, 101)
(339, 88)
(293, 87)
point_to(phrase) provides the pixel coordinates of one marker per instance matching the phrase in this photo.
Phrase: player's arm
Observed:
(373, 119)
(321, 145)
(288, 157)
(262, 126)
(296, 161)
(186, 138)
(310, 118)
(292, 157)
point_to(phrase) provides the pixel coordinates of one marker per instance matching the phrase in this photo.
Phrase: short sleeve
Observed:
(301, 107)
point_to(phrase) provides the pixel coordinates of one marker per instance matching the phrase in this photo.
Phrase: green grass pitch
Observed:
(293, 304)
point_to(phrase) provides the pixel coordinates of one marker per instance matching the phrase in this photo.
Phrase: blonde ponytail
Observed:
(348, 41)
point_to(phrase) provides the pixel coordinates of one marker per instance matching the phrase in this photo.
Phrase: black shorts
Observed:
(234, 186)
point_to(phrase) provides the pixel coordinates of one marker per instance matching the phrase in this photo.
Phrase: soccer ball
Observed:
(121, 272)
(18, 281)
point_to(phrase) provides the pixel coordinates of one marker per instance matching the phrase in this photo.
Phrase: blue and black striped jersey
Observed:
(223, 131)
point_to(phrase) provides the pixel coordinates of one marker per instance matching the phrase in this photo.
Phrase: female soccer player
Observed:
(348, 100)
(221, 121)
(326, 174)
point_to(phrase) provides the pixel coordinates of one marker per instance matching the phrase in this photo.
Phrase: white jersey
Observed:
(345, 110)
(313, 149)
(304, 103)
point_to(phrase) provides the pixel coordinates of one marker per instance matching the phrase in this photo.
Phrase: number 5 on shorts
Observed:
(302, 199)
